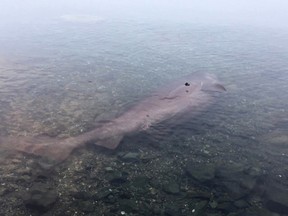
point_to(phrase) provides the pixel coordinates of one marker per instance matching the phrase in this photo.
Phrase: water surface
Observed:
(61, 79)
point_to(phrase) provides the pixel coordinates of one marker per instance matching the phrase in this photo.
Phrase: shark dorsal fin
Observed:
(215, 87)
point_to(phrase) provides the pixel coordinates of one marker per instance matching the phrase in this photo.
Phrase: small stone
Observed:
(110, 199)
(241, 204)
(213, 204)
(131, 157)
(108, 169)
(172, 187)
(147, 158)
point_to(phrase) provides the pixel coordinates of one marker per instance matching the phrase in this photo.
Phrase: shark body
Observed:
(189, 94)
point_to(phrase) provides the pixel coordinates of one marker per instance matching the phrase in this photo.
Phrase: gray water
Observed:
(61, 79)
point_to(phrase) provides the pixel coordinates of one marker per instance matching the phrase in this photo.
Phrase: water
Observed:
(61, 79)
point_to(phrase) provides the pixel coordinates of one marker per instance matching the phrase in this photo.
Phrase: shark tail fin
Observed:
(47, 147)
(110, 142)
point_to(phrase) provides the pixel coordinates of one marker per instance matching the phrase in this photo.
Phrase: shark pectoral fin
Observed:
(111, 142)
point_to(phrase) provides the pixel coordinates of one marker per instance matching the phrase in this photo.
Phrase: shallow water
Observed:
(61, 79)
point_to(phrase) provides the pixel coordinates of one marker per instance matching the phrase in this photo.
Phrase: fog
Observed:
(271, 13)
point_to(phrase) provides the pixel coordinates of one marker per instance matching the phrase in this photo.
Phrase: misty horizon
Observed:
(257, 13)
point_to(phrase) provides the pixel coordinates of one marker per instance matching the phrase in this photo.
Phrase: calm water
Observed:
(61, 79)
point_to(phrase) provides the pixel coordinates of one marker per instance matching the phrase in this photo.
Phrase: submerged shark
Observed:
(189, 94)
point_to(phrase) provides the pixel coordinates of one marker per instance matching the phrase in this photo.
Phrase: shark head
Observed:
(188, 86)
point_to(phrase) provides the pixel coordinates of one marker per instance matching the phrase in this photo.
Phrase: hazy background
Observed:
(271, 13)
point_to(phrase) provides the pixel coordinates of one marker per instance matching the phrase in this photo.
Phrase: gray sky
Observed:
(248, 12)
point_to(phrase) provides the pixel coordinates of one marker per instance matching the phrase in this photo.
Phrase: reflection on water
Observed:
(62, 80)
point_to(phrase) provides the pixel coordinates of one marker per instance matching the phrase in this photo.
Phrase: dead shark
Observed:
(189, 94)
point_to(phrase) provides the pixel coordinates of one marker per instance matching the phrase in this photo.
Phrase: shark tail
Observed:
(51, 148)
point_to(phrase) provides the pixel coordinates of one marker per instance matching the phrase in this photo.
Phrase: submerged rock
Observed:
(103, 193)
(201, 172)
(253, 212)
(128, 205)
(82, 195)
(172, 210)
(226, 207)
(234, 189)
(117, 177)
(241, 204)
(3, 191)
(213, 204)
(198, 194)
(140, 182)
(85, 206)
(200, 207)
(40, 197)
(231, 171)
(276, 199)
(237, 179)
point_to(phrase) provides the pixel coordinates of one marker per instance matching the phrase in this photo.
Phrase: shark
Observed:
(190, 94)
